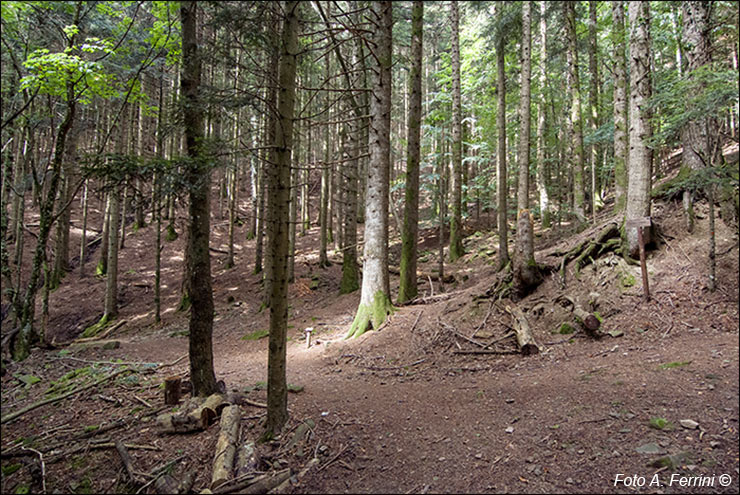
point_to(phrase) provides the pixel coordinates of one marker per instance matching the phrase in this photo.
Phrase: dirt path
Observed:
(397, 410)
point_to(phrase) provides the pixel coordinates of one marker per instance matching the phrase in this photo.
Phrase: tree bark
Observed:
(696, 39)
(542, 182)
(409, 237)
(526, 274)
(575, 123)
(456, 247)
(593, 104)
(640, 157)
(198, 177)
(279, 198)
(502, 189)
(375, 304)
(620, 108)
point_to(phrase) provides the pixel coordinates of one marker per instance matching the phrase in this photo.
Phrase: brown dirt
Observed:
(396, 410)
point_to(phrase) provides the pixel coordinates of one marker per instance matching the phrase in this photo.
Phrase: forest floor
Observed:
(398, 410)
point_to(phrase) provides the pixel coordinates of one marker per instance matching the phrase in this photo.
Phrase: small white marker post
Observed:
(308, 336)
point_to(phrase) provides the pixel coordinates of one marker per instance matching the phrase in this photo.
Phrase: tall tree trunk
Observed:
(409, 237)
(696, 32)
(575, 123)
(526, 274)
(620, 108)
(593, 103)
(501, 179)
(640, 158)
(375, 303)
(542, 182)
(102, 266)
(198, 265)
(456, 247)
(279, 197)
(21, 343)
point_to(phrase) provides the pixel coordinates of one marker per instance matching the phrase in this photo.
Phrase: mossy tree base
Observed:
(95, 329)
(371, 316)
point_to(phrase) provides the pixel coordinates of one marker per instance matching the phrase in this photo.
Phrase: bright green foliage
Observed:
(52, 73)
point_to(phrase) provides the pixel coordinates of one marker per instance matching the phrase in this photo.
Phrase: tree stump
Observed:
(172, 390)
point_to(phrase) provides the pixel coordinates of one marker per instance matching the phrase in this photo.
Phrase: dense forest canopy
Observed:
(369, 121)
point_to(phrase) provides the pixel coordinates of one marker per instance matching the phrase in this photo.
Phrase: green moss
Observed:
(171, 234)
(11, 468)
(95, 329)
(100, 269)
(256, 335)
(184, 302)
(566, 329)
(674, 364)
(626, 279)
(371, 316)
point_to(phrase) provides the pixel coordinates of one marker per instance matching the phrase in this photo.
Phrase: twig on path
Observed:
(142, 401)
(413, 327)
(330, 461)
(43, 467)
(253, 403)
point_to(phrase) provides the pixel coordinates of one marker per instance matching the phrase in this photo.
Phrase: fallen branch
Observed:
(52, 400)
(43, 467)
(524, 338)
(128, 463)
(334, 458)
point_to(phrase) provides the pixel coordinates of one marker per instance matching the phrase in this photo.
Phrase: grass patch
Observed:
(566, 329)
(674, 364)
(256, 335)
(11, 468)
(660, 423)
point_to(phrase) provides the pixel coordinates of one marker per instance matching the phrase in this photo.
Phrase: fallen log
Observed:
(587, 320)
(223, 461)
(197, 419)
(101, 336)
(260, 484)
(246, 459)
(524, 338)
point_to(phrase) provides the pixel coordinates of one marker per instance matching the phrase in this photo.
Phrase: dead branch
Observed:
(58, 398)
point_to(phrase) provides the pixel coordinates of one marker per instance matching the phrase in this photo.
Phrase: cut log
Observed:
(223, 461)
(172, 386)
(524, 338)
(246, 459)
(587, 320)
(193, 419)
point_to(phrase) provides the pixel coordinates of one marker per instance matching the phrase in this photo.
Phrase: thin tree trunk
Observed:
(83, 243)
(198, 265)
(526, 274)
(620, 108)
(503, 249)
(593, 100)
(279, 197)
(575, 138)
(409, 238)
(456, 247)
(542, 183)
